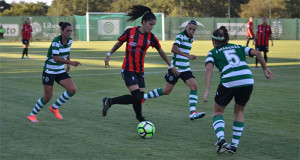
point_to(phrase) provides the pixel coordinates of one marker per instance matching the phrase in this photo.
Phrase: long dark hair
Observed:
(221, 36)
(63, 25)
(138, 11)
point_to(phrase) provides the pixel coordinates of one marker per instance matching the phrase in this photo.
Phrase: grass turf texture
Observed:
(271, 130)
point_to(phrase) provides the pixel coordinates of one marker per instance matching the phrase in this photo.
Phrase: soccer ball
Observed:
(145, 129)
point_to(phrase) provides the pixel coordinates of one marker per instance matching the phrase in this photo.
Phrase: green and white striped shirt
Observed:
(57, 48)
(184, 45)
(231, 62)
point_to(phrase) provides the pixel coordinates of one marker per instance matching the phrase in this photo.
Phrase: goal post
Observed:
(103, 26)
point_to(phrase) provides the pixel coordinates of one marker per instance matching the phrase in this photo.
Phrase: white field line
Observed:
(102, 74)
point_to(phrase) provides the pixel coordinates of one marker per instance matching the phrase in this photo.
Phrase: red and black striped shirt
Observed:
(263, 34)
(136, 47)
(26, 31)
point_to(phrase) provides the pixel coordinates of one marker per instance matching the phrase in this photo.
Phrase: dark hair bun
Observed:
(60, 23)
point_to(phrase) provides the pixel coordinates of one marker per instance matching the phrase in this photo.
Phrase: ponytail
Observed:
(63, 25)
(138, 11)
(221, 36)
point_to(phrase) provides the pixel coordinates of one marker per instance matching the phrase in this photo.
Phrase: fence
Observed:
(45, 28)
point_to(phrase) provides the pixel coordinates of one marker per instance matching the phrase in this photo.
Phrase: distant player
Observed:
(263, 34)
(1, 32)
(250, 33)
(181, 56)
(54, 70)
(138, 40)
(26, 35)
(236, 82)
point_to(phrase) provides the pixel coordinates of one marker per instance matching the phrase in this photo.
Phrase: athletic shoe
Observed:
(22, 58)
(196, 115)
(106, 106)
(221, 146)
(143, 100)
(55, 112)
(141, 119)
(32, 118)
(27, 57)
(231, 149)
(255, 67)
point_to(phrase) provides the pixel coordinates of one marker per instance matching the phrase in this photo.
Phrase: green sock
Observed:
(153, 94)
(219, 125)
(38, 106)
(193, 100)
(62, 99)
(238, 128)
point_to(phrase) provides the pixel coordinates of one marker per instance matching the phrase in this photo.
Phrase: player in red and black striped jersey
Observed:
(26, 35)
(138, 40)
(263, 34)
(250, 33)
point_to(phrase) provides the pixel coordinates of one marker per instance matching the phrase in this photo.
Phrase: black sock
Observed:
(125, 99)
(256, 61)
(26, 51)
(137, 102)
(266, 57)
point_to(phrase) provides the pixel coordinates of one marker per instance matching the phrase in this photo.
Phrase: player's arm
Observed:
(208, 75)
(176, 50)
(115, 47)
(271, 39)
(57, 59)
(68, 65)
(259, 57)
(165, 58)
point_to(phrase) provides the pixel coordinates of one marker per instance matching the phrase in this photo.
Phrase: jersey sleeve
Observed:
(178, 40)
(123, 37)
(247, 51)
(209, 58)
(155, 42)
(248, 25)
(55, 48)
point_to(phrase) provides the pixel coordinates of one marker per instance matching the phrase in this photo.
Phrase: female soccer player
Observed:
(26, 35)
(236, 81)
(54, 70)
(181, 55)
(138, 39)
(250, 33)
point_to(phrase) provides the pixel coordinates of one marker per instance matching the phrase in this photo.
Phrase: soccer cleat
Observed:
(55, 112)
(196, 115)
(106, 106)
(143, 100)
(141, 118)
(231, 149)
(32, 118)
(221, 146)
(27, 57)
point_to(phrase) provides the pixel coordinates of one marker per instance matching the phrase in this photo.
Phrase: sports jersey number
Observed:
(231, 57)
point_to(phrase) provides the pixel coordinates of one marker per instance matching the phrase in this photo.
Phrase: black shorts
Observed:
(241, 95)
(24, 41)
(172, 79)
(263, 48)
(48, 79)
(250, 37)
(132, 78)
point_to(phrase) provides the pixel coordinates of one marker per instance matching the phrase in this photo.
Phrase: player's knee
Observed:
(72, 90)
(137, 95)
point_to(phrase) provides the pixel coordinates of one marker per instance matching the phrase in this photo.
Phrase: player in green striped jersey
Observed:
(236, 81)
(54, 70)
(181, 56)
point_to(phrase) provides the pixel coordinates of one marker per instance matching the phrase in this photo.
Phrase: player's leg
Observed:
(248, 40)
(193, 99)
(24, 48)
(65, 81)
(241, 98)
(222, 99)
(259, 48)
(48, 81)
(159, 91)
(266, 49)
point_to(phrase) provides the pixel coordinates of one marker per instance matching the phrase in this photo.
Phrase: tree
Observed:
(4, 6)
(26, 9)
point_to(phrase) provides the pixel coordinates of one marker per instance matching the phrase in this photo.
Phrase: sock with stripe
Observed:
(219, 125)
(153, 94)
(238, 128)
(38, 106)
(193, 100)
(62, 99)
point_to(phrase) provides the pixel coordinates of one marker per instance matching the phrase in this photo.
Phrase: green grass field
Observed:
(272, 128)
